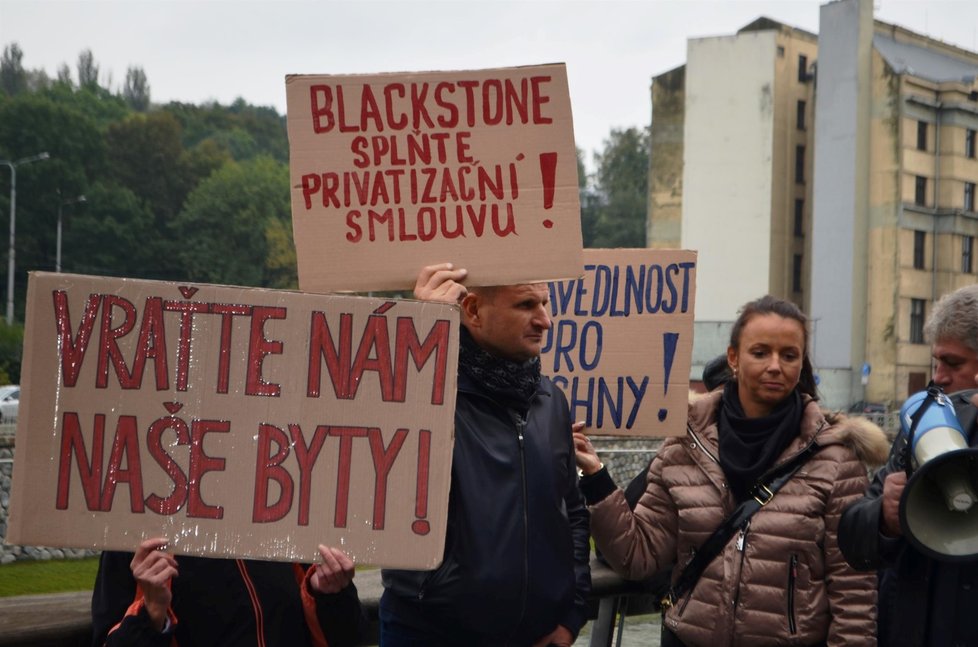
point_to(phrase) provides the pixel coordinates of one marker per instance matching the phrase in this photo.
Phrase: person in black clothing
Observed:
(516, 563)
(922, 601)
(151, 598)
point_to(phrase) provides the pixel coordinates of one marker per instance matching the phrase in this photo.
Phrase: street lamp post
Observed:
(13, 225)
(62, 203)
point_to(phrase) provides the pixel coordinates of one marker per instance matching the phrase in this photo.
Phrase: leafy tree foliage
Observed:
(613, 209)
(136, 89)
(64, 75)
(176, 192)
(11, 352)
(244, 131)
(111, 234)
(242, 207)
(13, 78)
(88, 70)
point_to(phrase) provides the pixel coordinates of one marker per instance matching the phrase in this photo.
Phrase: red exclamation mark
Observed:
(421, 525)
(548, 172)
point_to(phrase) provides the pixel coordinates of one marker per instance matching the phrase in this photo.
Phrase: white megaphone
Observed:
(939, 507)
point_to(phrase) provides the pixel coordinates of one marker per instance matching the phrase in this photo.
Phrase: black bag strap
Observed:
(760, 495)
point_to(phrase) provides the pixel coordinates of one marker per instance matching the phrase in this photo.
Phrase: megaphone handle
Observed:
(933, 392)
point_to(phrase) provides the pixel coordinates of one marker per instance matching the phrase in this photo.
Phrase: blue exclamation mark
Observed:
(669, 341)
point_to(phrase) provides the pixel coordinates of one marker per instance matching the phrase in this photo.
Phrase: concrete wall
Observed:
(838, 288)
(727, 176)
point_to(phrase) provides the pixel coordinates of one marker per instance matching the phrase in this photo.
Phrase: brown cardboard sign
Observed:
(393, 172)
(235, 422)
(621, 341)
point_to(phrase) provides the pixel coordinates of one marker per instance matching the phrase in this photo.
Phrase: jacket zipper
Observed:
(520, 424)
(689, 594)
(741, 548)
(792, 577)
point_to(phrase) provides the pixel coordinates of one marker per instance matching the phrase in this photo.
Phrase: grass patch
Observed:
(50, 576)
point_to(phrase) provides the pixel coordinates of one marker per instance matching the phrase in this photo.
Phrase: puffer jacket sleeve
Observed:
(636, 544)
(852, 595)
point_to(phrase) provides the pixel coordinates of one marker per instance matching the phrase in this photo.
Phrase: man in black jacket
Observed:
(922, 602)
(515, 570)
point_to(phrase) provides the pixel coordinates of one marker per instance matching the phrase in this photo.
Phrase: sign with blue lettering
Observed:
(621, 341)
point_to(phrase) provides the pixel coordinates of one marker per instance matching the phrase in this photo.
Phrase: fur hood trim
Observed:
(863, 436)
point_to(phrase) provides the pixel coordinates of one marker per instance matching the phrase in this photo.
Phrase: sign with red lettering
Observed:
(622, 339)
(393, 172)
(235, 422)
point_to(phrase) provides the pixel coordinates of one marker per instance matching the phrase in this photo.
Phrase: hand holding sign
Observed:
(152, 568)
(334, 573)
(441, 283)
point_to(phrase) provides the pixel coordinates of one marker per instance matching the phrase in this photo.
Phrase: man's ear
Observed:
(470, 309)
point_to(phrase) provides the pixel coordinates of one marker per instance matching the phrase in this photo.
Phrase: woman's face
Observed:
(768, 362)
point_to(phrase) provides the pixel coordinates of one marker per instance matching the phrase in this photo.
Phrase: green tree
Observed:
(64, 75)
(11, 352)
(588, 200)
(234, 226)
(145, 152)
(246, 131)
(136, 89)
(30, 124)
(13, 77)
(111, 234)
(620, 191)
(88, 70)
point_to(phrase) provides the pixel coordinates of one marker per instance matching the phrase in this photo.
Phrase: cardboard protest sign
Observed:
(235, 422)
(393, 172)
(622, 338)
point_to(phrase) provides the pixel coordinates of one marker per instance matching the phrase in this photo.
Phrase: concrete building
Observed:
(836, 171)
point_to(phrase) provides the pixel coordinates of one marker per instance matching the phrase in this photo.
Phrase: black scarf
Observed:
(749, 446)
(511, 383)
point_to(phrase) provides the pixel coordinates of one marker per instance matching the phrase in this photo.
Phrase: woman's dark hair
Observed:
(768, 305)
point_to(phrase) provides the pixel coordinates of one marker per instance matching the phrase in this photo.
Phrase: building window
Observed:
(969, 143)
(796, 273)
(802, 68)
(799, 164)
(800, 116)
(916, 382)
(921, 135)
(967, 253)
(780, 51)
(916, 321)
(799, 218)
(919, 239)
(969, 196)
(920, 191)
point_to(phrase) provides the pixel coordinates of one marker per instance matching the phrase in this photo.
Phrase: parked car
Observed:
(9, 403)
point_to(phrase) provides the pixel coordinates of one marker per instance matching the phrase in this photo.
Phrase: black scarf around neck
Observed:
(511, 383)
(750, 446)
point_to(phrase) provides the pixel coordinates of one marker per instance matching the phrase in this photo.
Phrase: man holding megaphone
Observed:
(922, 531)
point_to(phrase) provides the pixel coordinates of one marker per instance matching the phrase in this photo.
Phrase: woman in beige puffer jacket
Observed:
(782, 580)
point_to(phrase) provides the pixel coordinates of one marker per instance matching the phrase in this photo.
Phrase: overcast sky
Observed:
(201, 50)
